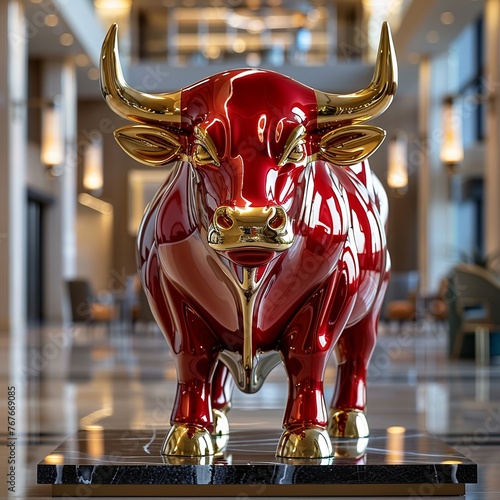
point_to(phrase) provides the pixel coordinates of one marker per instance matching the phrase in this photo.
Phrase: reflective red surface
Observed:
(324, 289)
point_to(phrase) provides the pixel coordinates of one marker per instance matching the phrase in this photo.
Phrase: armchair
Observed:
(85, 308)
(477, 305)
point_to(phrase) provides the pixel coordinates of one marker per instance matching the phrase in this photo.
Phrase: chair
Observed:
(400, 298)
(477, 304)
(85, 308)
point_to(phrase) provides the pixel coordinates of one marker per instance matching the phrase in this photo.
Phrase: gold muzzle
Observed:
(250, 227)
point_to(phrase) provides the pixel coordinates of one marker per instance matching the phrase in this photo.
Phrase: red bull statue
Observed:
(264, 245)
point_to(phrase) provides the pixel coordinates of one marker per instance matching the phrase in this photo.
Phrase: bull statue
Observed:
(265, 244)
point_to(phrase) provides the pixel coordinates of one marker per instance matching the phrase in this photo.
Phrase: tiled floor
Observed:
(69, 378)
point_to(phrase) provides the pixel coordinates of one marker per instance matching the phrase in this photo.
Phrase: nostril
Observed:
(277, 221)
(223, 220)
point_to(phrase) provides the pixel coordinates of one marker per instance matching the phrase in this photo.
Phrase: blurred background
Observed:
(82, 343)
(72, 199)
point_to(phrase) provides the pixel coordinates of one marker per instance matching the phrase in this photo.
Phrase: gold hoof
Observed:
(348, 423)
(187, 441)
(309, 442)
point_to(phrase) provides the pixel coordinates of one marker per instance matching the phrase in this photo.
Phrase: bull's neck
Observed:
(247, 291)
(249, 369)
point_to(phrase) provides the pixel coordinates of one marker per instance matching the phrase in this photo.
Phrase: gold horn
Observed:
(367, 103)
(128, 102)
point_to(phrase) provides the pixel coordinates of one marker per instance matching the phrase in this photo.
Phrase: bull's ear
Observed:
(351, 144)
(149, 145)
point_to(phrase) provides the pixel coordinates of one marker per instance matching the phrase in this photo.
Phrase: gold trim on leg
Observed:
(188, 441)
(348, 423)
(309, 442)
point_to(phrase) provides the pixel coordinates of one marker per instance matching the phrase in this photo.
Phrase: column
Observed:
(13, 146)
(59, 81)
(437, 237)
(424, 177)
(13, 157)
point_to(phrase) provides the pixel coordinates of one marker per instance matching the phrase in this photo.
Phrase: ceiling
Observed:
(412, 40)
(43, 40)
(49, 20)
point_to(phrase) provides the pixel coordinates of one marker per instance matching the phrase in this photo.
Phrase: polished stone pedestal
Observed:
(97, 462)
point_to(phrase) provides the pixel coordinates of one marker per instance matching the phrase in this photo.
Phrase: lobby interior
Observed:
(68, 225)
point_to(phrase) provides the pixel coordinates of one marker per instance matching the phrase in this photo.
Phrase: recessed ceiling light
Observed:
(66, 39)
(253, 59)
(51, 20)
(432, 36)
(112, 4)
(82, 60)
(213, 52)
(239, 45)
(93, 74)
(447, 18)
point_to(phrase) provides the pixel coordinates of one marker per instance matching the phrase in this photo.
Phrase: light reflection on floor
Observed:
(71, 378)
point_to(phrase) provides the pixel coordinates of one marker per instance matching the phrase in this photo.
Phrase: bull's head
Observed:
(250, 134)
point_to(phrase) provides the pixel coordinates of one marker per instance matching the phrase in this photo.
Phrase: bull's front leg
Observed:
(306, 348)
(192, 420)
(196, 351)
(305, 357)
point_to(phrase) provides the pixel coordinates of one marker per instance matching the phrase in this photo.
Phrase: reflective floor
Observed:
(61, 379)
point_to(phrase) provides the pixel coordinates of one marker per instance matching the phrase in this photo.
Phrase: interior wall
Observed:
(117, 257)
(94, 259)
(402, 227)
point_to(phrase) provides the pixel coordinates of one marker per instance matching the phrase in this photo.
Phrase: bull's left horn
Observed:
(128, 102)
(367, 103)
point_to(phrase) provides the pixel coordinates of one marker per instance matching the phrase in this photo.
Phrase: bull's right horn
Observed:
(128, 102)
(369, 102)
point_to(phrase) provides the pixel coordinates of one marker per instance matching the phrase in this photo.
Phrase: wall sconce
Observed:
(452, 148)
(92, 165)
(113, 11)
(96, 204)
(397, 172)
(52, 147)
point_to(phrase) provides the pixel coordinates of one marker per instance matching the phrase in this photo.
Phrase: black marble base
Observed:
(97, 462)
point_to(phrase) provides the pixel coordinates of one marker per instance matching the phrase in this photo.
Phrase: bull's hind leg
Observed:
(354, 349)
(222, 390)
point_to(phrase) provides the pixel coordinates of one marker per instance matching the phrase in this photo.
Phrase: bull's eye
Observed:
(201, 155)
(205, 152)
(295, 147)
(297, 154)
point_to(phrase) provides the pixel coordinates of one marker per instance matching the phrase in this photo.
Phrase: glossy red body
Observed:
(324, 291)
